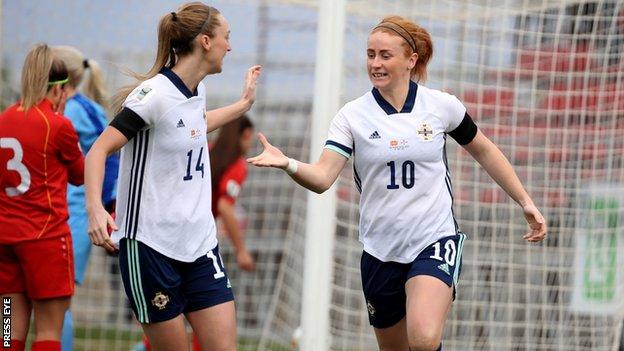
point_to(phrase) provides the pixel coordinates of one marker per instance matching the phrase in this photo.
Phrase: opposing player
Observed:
(39, 155)
(168, 253)
(396, 134)
(88, 117)
(229, 170)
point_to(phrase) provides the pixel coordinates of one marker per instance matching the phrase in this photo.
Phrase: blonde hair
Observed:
(176, 34)
(77, 64)
(416, 39)
(40, 67)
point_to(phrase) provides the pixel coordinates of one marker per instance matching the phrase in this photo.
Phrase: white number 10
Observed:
(15, 164)
(449, 254)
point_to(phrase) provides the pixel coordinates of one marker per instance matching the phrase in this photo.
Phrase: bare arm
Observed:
(228, 215)
(107, 143)
(220, 116)
(317, 177)
(498, 167)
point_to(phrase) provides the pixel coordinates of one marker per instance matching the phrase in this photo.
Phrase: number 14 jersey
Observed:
(164, 189)
(400, 168)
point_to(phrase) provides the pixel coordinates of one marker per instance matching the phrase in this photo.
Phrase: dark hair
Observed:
(227, 149)
(416, 39)
(176, 34)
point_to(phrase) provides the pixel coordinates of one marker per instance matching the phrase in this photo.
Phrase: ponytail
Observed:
(176, 34)
(94, 85)
(77, 65)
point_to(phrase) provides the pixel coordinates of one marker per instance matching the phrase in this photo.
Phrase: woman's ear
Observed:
(413, 60)
(205, 42)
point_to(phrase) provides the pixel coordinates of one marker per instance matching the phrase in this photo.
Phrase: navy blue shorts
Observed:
(160, 288)
(384, 282)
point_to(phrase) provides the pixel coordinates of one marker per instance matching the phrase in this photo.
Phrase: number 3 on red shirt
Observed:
(15, 164)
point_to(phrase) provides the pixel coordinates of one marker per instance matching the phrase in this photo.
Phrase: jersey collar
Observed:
(407, 106)
(177, 81)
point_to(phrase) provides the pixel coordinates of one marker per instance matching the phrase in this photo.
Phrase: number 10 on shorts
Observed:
(450, 252)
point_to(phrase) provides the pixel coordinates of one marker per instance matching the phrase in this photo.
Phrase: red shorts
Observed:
(41, 269)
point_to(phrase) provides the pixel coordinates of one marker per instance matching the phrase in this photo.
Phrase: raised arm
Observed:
(317, 177)
(220, 116)
(498, 167)
(107, 143)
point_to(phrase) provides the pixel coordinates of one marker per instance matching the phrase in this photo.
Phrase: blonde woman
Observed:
(165, 231)
(39, 155)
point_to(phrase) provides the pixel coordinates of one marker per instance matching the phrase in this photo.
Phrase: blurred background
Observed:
(544, 79)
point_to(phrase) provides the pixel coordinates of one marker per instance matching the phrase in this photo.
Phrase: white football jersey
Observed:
(164, 190)
(400, 169)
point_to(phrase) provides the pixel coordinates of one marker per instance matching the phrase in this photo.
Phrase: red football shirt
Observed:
(230, 184)
(39, 155)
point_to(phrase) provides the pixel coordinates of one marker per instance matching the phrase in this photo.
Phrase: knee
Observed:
(424, 340)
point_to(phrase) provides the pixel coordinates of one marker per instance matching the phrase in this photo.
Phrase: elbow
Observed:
(321, 188)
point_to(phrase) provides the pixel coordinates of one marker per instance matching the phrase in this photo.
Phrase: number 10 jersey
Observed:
(400, 168)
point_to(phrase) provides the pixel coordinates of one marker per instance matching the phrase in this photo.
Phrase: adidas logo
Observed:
(181, 123)
(375, 135)
(444, 268)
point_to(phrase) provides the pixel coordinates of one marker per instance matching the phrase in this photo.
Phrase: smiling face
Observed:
(388, 63)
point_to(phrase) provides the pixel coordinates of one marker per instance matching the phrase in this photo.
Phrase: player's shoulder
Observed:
(9, 111)
(435, 94)
(74, 110)
(150, 91)
(358, 105)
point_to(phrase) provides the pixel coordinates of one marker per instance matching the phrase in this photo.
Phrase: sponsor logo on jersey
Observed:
(180, 124)
(444, 268)
(425, 132)
(371, 309)
(160, 300)
(375, 135)
(195, 133)
(398, 145)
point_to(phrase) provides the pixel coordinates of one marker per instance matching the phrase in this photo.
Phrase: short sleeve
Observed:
(232, 181)
(459, 124)
(339, 137)
(142, 101)
(453, 114)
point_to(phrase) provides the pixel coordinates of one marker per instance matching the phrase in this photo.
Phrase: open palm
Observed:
(270, 156)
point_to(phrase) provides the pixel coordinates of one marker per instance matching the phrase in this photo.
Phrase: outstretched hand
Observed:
(251, 80)
(270, 156)
(537, 224)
